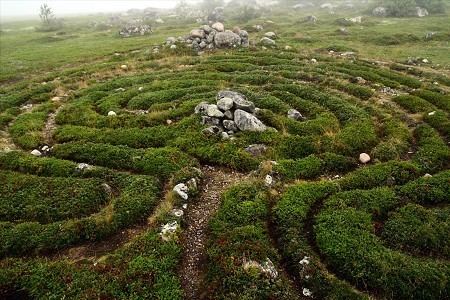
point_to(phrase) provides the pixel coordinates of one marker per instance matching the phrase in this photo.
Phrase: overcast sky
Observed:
(9, 8)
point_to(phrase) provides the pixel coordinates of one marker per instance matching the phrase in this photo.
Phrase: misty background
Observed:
(10, 9)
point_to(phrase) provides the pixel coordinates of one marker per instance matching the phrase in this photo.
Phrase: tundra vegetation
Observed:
(342, 194)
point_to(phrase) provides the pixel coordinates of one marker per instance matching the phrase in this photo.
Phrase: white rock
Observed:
(225, 136)
(314, 61)
(287, 47)
(173, 47)
(168, 231)
(83, 166)
(427, 175)
(56, 99)
(177, 212)
(307, 292)
(304, 261)
(185, 206)
(124, 67)
(181, 189)
(112, 113)
(425, 61)
(432, 113)
(169, 122)
(364, 158)
(36, 152)
(141, 88)
(45, 148)
(268, 181)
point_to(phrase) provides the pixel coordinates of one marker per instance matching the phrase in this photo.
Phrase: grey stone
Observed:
(256, 149)
(267, 41)
(210, 121)
(271, 35)
(295, 115)
(230, 125)
(201, 108)
(212, 130)
(248, 122)
(197, 33)
(218, 26)
(228, 114)
(225, 104)
(379, 11)
(213, 111)
(227, 39)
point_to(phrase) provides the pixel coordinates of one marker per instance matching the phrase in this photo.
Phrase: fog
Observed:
(20, 8)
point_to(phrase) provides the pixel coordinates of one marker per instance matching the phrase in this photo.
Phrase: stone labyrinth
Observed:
(347, 193)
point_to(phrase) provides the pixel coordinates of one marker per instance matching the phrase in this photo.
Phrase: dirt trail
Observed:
(50, 126)
(198, 214)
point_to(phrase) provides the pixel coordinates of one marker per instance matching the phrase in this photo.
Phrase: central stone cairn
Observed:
(232, 113)
(209, 37)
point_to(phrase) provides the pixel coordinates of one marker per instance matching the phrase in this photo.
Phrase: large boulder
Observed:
(248, 122)
(227, 39)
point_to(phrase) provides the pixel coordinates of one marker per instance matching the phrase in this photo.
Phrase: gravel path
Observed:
(194, 238)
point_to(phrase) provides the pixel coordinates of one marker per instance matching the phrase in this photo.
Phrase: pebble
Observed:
(364, 158)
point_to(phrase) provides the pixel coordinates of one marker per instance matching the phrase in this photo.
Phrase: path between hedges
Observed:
(198, 215)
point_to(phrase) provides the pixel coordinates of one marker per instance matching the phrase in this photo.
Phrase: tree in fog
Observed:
(46, 14)
(209, 5)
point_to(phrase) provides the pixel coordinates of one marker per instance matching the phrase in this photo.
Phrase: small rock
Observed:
(173, 47)
(271, 35)
(185, 206)
(267, 41)
(212, 130)
(294, 115)
(432, 113)
(56, 99)
(307, 292)
(314, 61)
(268, 181)
(141, 88)
(168, 231)
(230, 125)
(182, 190)
(225, 136)
(107, 188)
(83, 166)
(210, 121)
(112, 113)
(364, 158)
(192, 185)
(124, 67)
(169, 122)
(201, 108)
(256, 149)
(177, 212)
(36, 152)
(427, 175)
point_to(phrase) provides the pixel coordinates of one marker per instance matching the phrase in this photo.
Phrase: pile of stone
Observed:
(232, 113)
(133, 29)
(209, 37)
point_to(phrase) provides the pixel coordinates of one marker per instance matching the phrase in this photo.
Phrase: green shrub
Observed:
(433, 154)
